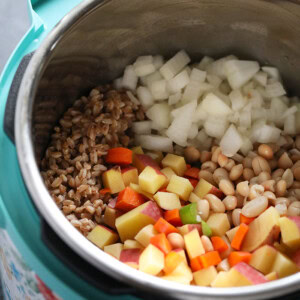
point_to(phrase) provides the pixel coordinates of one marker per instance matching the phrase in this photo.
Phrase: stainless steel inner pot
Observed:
(94, 43)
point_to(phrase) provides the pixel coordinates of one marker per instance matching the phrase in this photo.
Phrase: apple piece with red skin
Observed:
(151, 180)
(189, 227)
(130, 223)
(130, 175)
(130, 255)
(110, 216)
(112, 203)
(141, 161)
(204, 187)
(102, 236)
(113, 180)
(114, 250)
(250, 273)
(296, 258)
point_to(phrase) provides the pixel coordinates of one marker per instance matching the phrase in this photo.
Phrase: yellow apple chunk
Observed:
(193, 244)
(132, 244)
(263, 230)
(289, 233)
(152, 260)
(205, 276)
(130, 175)
(102, 236)
(129, 224)
(194, 197)
(180, 186)
(110, 216)
(167, 201)
(231, 233)
(151, 180)
(263, 258)
(218, 223)
(182, 274)
(138, 189)
(168, 172)
(113, 180)
(175, 162)
(204, 187)
(145, 234)
(156, 155)
(141, 161)
(283, 266)
(181, 252)
(271, 276)
(137, 150)
(114, 250)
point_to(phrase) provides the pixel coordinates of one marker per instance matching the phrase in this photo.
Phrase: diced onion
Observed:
(155, 142)
(142, 127)
(231, 142)
(130, 79)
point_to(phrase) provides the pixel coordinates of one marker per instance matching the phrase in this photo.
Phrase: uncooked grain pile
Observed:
(73, 162)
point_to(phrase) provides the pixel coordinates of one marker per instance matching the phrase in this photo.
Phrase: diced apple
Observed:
(218, 223)
(168, 172)
(145, 234)
(231, 233)
(141, 161)
(296, 258)
(290, 233)
(132, 244)
(137, 150)
(156, 155)
(114, 250)
(181, 252)
(151, 180)
(130, 256)
(222, 280)
(189, 227)
(130, 175)
(226, 253)
(205, 276)
(113, 180)
(167, 201)
(129, 224)
(172, 260)
(271, 276)
(263, 230)
(250, 273)
(152, 260)
(193, 244)
(138, 189)
(110, 216)
(283, 266)
(204, 187)
(102, 236)
(175, 162)
(182, 274)
(263, 258)
(194, 197)
(180, 186)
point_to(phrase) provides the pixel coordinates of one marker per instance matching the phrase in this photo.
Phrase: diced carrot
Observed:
(173, 217)
(219, 244)
(163, 226)
(119, 156)
(239, 236)
(236, 257)
(188, 166)
(196, 264)
(192, 172)
(129, 199)
(210, 259)
(245, 220)
(105, 191)
(161, 242)
(172, 260)
(193, 181)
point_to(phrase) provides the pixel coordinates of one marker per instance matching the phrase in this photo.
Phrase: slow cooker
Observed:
(42, 255)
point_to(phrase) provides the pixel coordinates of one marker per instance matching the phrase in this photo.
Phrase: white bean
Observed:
(207, 243)
(236, 216)
(215, 203)
(255, 207)
(230, 202)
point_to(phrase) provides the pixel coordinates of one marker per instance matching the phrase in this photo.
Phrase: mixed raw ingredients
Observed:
(189, 172)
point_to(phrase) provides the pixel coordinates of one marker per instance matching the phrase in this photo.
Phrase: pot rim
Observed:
(54, 217)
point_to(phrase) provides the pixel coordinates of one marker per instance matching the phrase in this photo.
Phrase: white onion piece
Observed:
(175, 98)
(217, 67)
(144, 65)
(238, 72)
(238, 101)
(261, 78)
(215, 127)
(149, 79)
(205, 62)
(255, 99)
(272, 72)
(293, 109)
(188, 70)
(179, 129)
(197, 75)
(158, 61)
(191, 92)
(142, 127)
(231, 141)
(201, 136)
(178, 82)
(246, 146)
(159, 90)
(174, 65)
(160, 115)
(274, 90)
(155, 142)
(200, 114)
(297, 122)
(213, 105)
(132, 98)
(290, 125)
(145, 96)
(245, 119)
(268, 134)
(193, 131)
(118, 83)
(214, 80)
(130, 79)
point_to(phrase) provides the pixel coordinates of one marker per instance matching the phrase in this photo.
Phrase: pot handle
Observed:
(80, 266)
